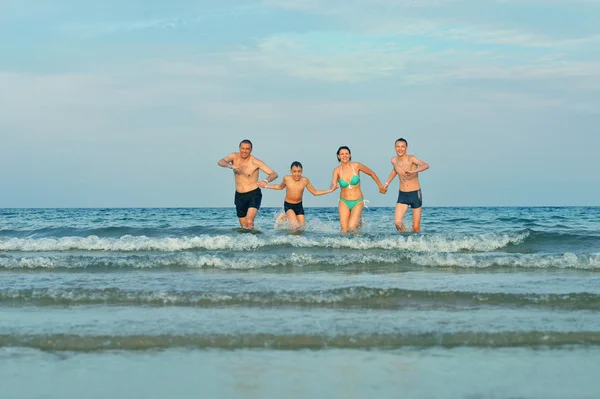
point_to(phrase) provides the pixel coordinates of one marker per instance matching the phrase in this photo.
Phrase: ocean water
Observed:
(154, 303)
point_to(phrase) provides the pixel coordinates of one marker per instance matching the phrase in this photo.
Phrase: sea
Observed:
(486, 302)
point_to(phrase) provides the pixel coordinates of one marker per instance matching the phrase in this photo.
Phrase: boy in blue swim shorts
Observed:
(407, 167)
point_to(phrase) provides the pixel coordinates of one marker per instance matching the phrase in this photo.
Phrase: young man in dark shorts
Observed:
(407, 167)
(247, 187)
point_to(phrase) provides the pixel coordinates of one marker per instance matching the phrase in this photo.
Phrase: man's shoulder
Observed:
(254, 160)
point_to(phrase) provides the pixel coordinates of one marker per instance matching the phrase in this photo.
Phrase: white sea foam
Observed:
(562, 261)
(264, 260)
(249, 242)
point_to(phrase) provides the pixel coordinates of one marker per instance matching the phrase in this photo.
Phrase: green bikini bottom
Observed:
(351, 203)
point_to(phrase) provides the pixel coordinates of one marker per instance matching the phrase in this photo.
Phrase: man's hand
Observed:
(262, 183)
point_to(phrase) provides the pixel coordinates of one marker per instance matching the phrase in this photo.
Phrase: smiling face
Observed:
(296, 172)
(401, 148)
(343, 155)
(245, 150)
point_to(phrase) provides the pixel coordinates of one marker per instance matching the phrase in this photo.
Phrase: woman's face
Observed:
(344, 155)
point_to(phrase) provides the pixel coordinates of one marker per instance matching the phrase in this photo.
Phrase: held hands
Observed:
(262, 184)
(383, 188)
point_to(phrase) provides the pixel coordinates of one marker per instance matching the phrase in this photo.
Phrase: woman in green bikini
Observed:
(351, 197)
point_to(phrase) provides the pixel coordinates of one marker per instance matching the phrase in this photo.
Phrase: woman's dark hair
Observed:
(296, 163)
(343, 148)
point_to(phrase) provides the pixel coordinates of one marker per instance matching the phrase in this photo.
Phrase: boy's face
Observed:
(296, 173)
(400, 148)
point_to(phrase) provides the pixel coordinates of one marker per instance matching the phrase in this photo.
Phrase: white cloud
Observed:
(535, 101)
(407, 17)
(347, 6)
(296, 57)
(177, 20)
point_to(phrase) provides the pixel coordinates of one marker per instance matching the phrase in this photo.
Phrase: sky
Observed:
(132, 103)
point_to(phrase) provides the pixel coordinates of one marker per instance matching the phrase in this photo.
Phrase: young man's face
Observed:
(296, 173)
(401, 148)
(245, 150)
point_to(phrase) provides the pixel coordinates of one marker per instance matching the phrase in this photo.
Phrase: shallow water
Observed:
(486, 302)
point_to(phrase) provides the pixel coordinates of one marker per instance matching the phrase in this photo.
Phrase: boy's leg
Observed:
(301, 221)
(416, 215)
(281, 219)
(292, 218)
(399, 216)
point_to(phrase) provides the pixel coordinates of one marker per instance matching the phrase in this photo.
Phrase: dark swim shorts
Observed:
(412, 198)
(297, 208)
(243, 201)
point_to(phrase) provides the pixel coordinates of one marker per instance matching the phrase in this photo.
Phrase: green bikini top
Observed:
(353, 181)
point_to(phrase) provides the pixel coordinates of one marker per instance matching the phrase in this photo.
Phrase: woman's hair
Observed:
(343, 148)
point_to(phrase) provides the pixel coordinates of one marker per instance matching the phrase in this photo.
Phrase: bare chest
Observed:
(295, 186)
(245, 169)
(403, 166)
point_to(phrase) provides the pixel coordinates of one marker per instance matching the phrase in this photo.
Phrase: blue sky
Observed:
(132, 103)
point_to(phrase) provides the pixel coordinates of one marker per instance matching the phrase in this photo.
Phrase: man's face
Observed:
(296, 173)
(245, 150)
(401, 148)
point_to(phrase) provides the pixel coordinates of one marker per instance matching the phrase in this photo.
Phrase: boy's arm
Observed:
(279, 186)
(369, 172)
(390, 178)
(314, 191)
(272, 175)
(421, 165)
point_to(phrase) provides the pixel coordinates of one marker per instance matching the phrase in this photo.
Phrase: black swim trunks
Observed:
(297, 208)
(243, 201)
(412, 198)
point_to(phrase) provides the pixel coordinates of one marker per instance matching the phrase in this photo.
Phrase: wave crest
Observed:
(249, 242)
